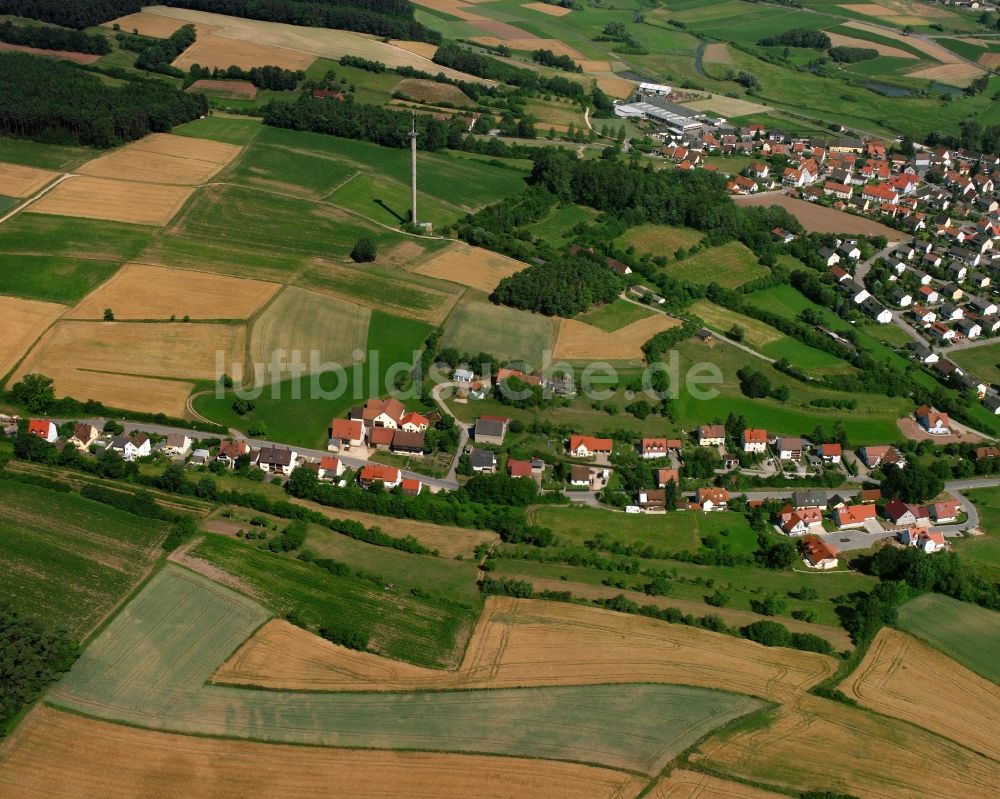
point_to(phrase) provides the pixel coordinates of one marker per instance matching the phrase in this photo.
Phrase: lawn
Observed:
(70, 560)
(42, 277)
(660, 239)
(964, 632)
(44, 156)
(67, 237)
(219, 127)
(557, 226)
(983, 551)
(186, 626)
(477, 325)
(983, 362)
(298, 411)
(614, 315)
(730, 265)
(6, 203)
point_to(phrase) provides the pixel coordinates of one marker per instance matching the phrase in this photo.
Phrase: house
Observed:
(411, 487)
(230, 451)
(589, 446)
(839, 273)
(794, 525)
(505, 373)
(754, 440)
(44, 429)
(849, 250)
(277, 460)
(381, 437)
(924, 315)
(516, 468)
(664, 476)
(877, 311)
(830, 258)
(941, 331)
(789, 448)
(992, 403)
(945, 511)
(923, 353)
(131, 447)
(934, 422)
(652, 499)
(873, 457)
(579, 476)
(855, 291)
(462, 375)
(176, 444)
(838, 190)
(922, 539)
(950, 311)
(490, 430)
(83, 436)
(986, 452)
(983, 307)
(408, 442)
(388, 476)
(483, 460)
(711, 435)
(901, 298)
(652, 448)
(710, 499)
(817, 554)
(831, 453)
(346, 433)
(199, 457)
(383, 413)
(900, 513)
(853, 516)
(808, 499)
(330, 467)
(414, 422)
(969, 328)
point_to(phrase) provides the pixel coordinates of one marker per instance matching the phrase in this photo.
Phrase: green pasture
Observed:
(44, 156)
(614, 315)
(983, 362)
(964, 632)
(222, 128)
(556, 228)
(70, 560)
(6, 203)
(983, 551)
(477, 325)
(660, 239)
(187, 626)
(729, 265)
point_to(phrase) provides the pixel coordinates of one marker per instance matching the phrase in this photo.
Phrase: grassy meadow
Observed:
(477, 325)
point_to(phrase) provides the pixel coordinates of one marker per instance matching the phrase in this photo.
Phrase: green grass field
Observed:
(614, 315)
(6, 203)
(293, 414)
(227, 129)
(964, 632)
(44, 156)
(983, 362)
(477, 325)
(40, 277)
(69, 560)
(660, 239)
(557, 226)
(730, 265)
(187, 626)
(983, 551)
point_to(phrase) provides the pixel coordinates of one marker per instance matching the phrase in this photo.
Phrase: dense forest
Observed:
(392, 18)
(71, 13)
(352, 120)
(561, 287)
(62, 103)
(482, 66)
(156, 55)
(47, 37)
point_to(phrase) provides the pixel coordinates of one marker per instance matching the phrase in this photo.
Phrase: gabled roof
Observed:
(346, 429)
(516, 468)
(591, 443)
(376, 471)
(39, 427)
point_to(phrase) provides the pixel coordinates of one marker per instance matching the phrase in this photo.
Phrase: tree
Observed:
(109, 315)
(243, 406)
(913, 483)
(768, 633)
(364, 251)
(753, 383)
(736, 333)
(36, 392)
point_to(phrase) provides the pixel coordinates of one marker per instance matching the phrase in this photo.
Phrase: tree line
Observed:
(62, 103)
(391, 18)
(47, 37)
(71, 13)
(156, 55)
(560, 287)
(798, 37)
(483, 66)
(269, 76)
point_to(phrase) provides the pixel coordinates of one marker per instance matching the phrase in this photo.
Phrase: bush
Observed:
(768, 633)
(364, 251)
(350, 638)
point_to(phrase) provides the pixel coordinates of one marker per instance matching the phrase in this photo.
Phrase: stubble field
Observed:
(162, 158)
(469, 266)
(579, 341)
(140, 291)
(477, 325)
(961, 705)
(24, 321)
(23, 181)
(114, 200)
(818, 219)
(54, 755)
(694, 785)
(220, 51)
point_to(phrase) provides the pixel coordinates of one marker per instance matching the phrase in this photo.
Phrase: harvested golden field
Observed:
(545, 8)
(133, 365)
(25, 321)
(958, 704)
(449, 541)
(23, 181)
(528, 643)
(990, 60)
(140, 291)
(728, 106)
(430, 91)
(162, 158)
(615, 86)
(470, 266)
(155, 25)
(321, 327)
(53, 755)
(579, 341)
(818, 219)
(235, 89)
(694, 785)
(839, 40)
(425, 49)
(899, 12)
(952, 74)
(521, 41)
(926, 46)
(454, 8)
(716, 53)
(215, 50)
(592, 64)
(814, 743)
(114, 200)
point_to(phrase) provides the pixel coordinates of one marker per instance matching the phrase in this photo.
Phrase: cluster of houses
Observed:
(381, 424)
(472, 388)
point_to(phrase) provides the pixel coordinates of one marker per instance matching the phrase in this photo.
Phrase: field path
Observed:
(38, 196)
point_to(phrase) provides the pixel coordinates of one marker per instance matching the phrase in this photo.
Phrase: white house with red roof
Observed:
(589, 446)
(831, 453)
(934, 422)
(754, 440)
(372, 473)
(44, 429)
(414, 422)
(346, 433)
